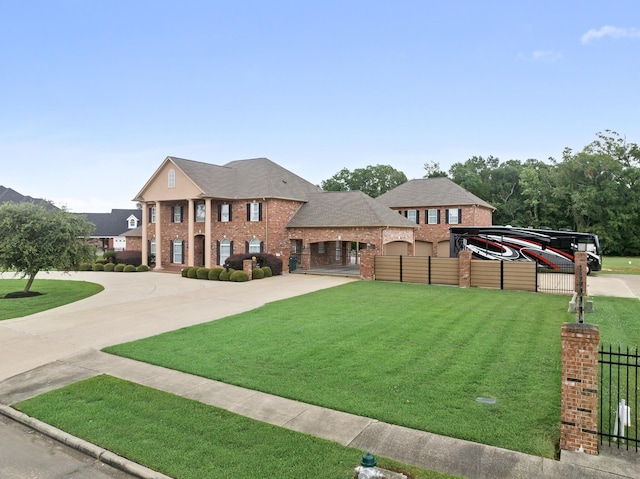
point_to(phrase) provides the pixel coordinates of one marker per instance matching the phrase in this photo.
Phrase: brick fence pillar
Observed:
(464, 269)
(247, 267)
(367, 263)
(579, 402)
(580, 272)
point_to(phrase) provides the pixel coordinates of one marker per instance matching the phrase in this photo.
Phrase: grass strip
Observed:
(54, 293)
(413, 355)
(620, 265)
(186, 439)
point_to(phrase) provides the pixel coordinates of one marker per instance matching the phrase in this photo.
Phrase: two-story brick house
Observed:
(434, 204)
(199, 214)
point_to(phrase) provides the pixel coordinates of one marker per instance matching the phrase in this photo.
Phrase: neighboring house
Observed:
(7, 195)
(111, 229)
(434, 204)
(198, 214)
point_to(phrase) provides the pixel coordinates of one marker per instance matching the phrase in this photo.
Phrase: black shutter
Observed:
(446, 216)
(248, 211)
(262, 246)
(229, 211)
(460, 215)
(438, 221)
(406, 213)
(219, 212)
(259, 211)
(246, 246)
(172, 216)
(217, 252)
(150, 215)
(181, 214)
(417, 217)
(231, 248)
(170, 251)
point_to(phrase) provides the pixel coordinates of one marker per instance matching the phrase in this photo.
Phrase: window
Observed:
(433, 217)
(133, 222)
(454, 216)
(224, 213)
(171, 178)
(254, 211)
(177, 251)
(338, 250)
(254, 246)
(153, 246)
(152, 214)
(201, 210)
(321, 248)
(413, 216)
(225, 250)
(176, 214)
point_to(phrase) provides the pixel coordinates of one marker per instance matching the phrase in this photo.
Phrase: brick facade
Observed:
(579, 402)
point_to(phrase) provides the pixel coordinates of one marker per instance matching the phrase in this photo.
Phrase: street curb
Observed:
(83, 446)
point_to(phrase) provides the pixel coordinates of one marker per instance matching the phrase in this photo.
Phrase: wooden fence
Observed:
(521, 276)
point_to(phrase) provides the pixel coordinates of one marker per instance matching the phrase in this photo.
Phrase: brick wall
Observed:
(579, 402)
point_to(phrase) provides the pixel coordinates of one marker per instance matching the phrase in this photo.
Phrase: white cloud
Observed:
(546, 56)
(609, 31)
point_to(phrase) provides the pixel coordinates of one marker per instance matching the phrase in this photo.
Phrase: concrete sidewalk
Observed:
(67, 341)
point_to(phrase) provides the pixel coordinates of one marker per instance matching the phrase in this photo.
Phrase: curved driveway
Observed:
(134, 306)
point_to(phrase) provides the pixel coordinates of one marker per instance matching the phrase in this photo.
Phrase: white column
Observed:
(159, 244)
(207, 233)
(144, 245)
(190, 245)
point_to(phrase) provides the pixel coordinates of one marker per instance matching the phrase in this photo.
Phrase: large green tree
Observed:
(372, 180)
(34, 238)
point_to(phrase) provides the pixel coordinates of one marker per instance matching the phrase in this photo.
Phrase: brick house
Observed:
(112, 230)
(198, 214)
(434, 204)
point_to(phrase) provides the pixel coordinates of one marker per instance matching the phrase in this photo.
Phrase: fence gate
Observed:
(618, 397)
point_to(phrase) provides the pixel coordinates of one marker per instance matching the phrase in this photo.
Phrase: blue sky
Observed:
(95, 94)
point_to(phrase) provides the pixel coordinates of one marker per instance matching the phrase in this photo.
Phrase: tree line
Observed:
(595, 190)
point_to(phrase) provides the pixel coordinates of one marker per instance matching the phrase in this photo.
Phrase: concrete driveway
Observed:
(617, 285)
(135, 306)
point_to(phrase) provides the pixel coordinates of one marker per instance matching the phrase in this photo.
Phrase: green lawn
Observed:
(413, 355)
(620, 265)
(200, 442)
(55, 292)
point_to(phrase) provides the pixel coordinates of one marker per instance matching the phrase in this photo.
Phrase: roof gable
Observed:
(428, 192)
(112, 224)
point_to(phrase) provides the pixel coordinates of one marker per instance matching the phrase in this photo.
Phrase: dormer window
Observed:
(132, 222)
(171, 178)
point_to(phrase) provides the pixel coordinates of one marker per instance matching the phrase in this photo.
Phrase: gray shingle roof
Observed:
(345, 209)
(111, 224)
(8, 195)
(253, 178)
(426, 192)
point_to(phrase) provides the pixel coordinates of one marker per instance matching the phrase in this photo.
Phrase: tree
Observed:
(372, 180)
(35, 238)
(432, 169)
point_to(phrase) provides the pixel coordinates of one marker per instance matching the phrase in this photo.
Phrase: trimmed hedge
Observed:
(85, 267)
(129, 268)
(214, 273)
(129, 257)
(267, 271)
(191, 273)
(202, 273)
(109, 267)
(142, 268)
(98, 267)
(263, 259)
(224, 274)
(257, 273)
(184, 272)
(239, 277)
(119, 268)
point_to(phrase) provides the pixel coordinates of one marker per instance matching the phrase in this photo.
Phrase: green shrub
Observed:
(101, 261)
(214, 273)
(142, 268)
(267, 271)
(129, 268)
(202, 273)
(225, 274)
(184, 272)
(191, 273)
(257, 273)
(118, 268)
(133, 258)
(239, 277)
(109, 256)
(263, 259)
(98, 267)
(109, 267)
(85, 267)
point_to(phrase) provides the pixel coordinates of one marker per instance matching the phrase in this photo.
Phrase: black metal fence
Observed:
(618, 397)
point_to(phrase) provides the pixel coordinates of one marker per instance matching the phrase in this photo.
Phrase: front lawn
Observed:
(54, 293)
(186, 439)
(620, 265)
(413, 355)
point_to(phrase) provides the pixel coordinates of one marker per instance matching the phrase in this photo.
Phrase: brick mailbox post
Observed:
(579, 403)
